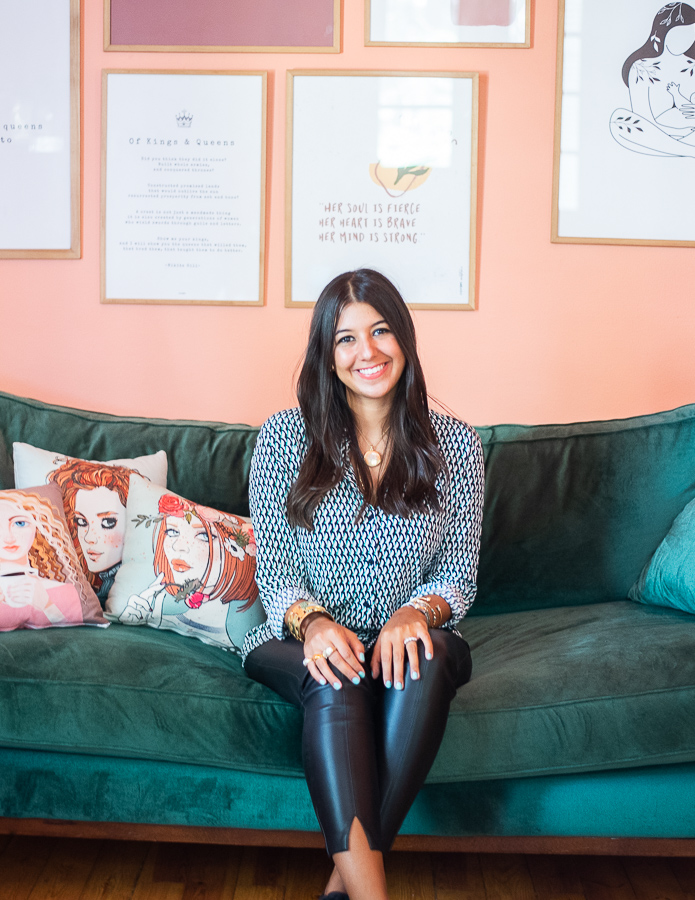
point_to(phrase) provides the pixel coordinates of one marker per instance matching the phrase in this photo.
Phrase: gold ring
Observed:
(316, 656)
(327, 652)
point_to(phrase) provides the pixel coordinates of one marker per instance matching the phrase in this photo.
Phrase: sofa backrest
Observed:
(208, 461)
(572, 512)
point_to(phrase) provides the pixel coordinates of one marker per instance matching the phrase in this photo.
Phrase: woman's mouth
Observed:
(179, 565)
(372, 371)
(94, 555)
(10, 548)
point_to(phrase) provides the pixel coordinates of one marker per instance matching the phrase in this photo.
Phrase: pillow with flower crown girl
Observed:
(41, 581)
(186, 568)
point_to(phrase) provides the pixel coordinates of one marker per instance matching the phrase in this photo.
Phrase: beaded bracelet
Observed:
(299, 612)
(431, 611)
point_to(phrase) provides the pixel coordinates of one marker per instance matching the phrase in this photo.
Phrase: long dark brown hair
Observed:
(669, 16)
(415, 460)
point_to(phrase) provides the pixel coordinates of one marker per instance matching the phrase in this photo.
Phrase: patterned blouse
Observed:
(362, 573)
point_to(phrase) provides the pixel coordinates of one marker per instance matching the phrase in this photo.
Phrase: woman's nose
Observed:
(90, 536)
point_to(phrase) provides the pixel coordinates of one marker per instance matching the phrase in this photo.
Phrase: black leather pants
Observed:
(366, 749)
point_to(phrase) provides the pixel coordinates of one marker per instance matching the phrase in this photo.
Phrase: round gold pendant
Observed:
(372, 458)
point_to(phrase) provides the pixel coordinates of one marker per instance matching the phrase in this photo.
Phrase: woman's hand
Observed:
(390, 650)
(322, 633)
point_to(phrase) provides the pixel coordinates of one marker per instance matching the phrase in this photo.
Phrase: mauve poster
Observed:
(223, 23)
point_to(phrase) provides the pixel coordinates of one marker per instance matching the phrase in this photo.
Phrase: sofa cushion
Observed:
(41, 580)
(573, 512)
(186, 568)
(94, 500)
(668, 579)
(572, 689)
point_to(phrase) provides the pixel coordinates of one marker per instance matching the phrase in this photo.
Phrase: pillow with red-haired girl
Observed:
(186, 568)
(94, 499)
(41, 581)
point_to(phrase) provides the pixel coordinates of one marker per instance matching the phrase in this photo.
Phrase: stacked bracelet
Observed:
(298, 613)
(431, 610)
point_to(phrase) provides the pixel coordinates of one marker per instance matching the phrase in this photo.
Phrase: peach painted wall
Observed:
(562, 333)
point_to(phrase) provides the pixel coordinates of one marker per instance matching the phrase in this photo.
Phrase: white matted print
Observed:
(448, 23)
(625, 127)
(183, 187)
(39, 128)
(382, 174)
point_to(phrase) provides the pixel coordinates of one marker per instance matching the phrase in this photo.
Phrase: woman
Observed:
(200, 555)
(95, 497)
(660, 76)
(367, 510)
(35, 565)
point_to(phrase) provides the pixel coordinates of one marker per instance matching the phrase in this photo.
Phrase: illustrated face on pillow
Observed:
(95, 497)
(202, 554)
(40, 580)
(186, 568)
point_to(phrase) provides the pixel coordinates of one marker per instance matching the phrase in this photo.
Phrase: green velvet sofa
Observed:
(576, 732)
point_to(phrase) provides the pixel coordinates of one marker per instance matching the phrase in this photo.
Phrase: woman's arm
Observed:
(280, 572)
(452, 574)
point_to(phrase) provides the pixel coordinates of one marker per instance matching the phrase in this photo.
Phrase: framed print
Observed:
(382, 173)
(183, 187)
(448, 23)
(251, 26)
(625, 123)
(40, 129)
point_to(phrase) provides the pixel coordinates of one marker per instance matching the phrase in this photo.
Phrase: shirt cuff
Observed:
(459, 601)
(278, 606)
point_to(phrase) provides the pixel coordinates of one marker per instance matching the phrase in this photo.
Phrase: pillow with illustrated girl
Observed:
(41, 581)
(94, 499)
(186, 568)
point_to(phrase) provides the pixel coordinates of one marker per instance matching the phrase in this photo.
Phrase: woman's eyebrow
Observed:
(373, 325)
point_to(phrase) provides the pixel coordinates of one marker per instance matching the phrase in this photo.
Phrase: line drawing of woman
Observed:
(36, 569)
(660, 76)
(200, 555)
(94, 497)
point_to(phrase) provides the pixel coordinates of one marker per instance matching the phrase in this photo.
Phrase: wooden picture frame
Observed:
(236, 26)
(363, 196)
(448, 23)
(624, 144)
(183, 187)
(40, 216)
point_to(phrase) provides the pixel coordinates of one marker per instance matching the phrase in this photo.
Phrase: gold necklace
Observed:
(372, 457)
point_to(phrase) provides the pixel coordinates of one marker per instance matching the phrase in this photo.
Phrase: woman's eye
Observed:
(344, 339)
(22, 523)
(172, 532)
(109, 522)
(202, 536)
(81, 522)
(382, 330)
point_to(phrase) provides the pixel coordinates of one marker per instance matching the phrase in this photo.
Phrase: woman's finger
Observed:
(386, 655)
(398, 658)
(411, 650)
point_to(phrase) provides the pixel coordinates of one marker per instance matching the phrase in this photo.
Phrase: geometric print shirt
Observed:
(362, 572)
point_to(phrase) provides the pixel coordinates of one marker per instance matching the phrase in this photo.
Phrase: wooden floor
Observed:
(33, 868)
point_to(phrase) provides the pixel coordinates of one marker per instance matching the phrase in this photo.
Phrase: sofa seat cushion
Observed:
(571, 689)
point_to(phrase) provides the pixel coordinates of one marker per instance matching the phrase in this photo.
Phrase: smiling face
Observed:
(100, 520)
(188, 550)
(17, 532)
(367, 357)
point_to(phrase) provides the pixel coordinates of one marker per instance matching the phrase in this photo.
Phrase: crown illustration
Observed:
(183, 119)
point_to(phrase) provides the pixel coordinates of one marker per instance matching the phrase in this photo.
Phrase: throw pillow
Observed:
(41, 581)
(668, 579)
(94, 498)
(186, 568)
